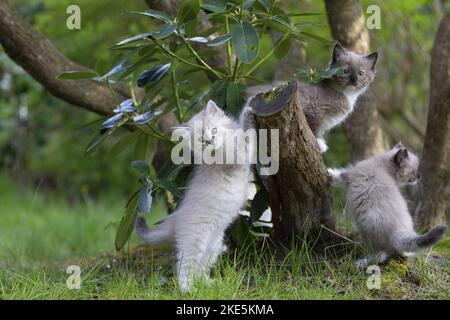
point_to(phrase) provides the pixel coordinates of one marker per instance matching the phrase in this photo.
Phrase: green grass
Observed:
(40, 236)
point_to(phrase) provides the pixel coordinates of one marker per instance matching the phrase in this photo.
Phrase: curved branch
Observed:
(36, 55)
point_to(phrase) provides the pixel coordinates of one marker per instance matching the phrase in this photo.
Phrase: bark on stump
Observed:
(300, 197)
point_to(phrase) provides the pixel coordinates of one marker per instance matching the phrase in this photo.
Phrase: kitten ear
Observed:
(338, 52)
(401, 156)
(213, 109)
(372, 59)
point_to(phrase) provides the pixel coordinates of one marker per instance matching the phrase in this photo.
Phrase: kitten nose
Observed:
(353, 78)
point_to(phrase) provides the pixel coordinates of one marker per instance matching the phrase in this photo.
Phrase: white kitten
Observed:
(212, 201)
(378, 207)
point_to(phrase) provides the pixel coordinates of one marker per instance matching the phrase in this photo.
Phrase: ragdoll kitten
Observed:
(377, 206)
(329, 102)
(212, 201)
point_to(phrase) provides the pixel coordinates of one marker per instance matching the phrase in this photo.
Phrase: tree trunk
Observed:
(347, 24)
(300, 196)
(36, 54)
(433, 205)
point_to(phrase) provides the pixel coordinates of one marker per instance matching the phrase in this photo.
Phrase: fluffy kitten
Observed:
(377, 206)
(329, 102)
(212, 201)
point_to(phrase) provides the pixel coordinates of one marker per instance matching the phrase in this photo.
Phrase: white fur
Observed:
(335, 175)
(212, 201)
(352, 95)
(322, 145)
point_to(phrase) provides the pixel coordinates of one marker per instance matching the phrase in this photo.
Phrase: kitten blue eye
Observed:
(346, 71)
(361, 73)
(214, 131)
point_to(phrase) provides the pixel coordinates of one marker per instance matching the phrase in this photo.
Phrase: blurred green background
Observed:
(57, 203)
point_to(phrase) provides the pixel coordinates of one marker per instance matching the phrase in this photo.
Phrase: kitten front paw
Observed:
(334, 173)
(322, 145)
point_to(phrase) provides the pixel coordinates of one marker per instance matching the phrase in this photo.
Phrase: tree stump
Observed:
(300, 196)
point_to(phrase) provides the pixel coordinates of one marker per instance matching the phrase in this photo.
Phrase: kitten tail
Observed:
(161, 234)
(411, 244)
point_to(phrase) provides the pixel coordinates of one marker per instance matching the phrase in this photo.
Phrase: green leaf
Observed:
(315, 37)
(198, 39)
(135, 38)
(145, 198)
(75, 75)
(188, 11)
(283, 22)
(266, 3)
(169, 186)
(219, 40)
(141, 167)
(126, 224)
(119, 66)
(155, 14)
(235, 98)
(102, 66)
(103, 136)
(304, 14)
(330, 72)
(134, 66)
(164, 31)
(315, 76)
(307, 24)
(214, 5)
(152, 75)
(245, 42)
(219, 92)
(248, 3)
(123, 143)
(98, 140)
(259, 204)
(169, 169)
(112, 121)
(282, 49)
(198, 99)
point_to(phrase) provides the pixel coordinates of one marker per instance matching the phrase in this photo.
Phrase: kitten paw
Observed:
(322, 145)
(334, 173)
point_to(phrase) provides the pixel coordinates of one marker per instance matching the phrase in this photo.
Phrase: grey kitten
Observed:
(378, 207)
(329, 102)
